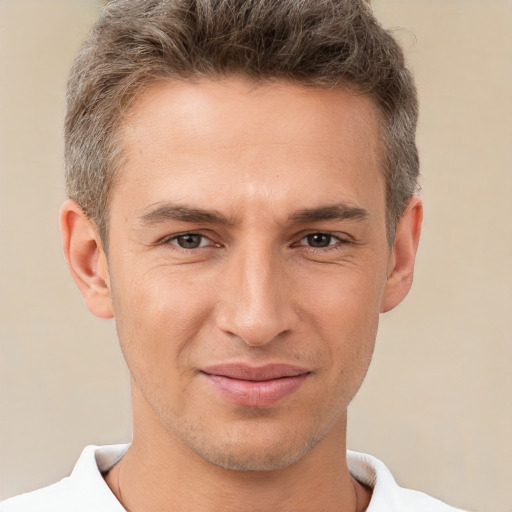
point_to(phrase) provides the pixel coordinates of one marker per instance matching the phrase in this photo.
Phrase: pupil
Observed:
(319, 240)
(189, 241)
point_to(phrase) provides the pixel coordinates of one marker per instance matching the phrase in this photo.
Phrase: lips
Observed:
(251, 386)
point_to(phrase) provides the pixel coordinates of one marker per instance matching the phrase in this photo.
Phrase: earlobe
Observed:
(86, 259)
(403, 254)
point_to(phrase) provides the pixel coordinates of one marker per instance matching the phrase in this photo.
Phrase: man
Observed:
(241, 179)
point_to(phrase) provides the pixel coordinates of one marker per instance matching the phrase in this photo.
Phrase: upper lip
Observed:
(242, 371)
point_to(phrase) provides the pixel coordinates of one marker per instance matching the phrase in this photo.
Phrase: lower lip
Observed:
(263, 393)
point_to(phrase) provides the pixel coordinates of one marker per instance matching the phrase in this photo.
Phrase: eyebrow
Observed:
(181, 213)
(169, 211)
(340, 211)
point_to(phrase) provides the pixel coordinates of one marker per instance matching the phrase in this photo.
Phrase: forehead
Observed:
(241, 107)
(213, 139)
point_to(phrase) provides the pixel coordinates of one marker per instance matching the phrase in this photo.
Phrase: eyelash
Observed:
(339, 242)
(170, 239)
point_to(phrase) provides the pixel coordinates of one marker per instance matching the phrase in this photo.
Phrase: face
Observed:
(248, 264)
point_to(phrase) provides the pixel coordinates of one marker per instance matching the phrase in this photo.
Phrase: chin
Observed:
(264, 454)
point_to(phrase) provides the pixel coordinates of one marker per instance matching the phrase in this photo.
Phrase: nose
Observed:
(257, 300)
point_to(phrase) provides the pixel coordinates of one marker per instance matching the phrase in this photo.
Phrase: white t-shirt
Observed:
(85, 489)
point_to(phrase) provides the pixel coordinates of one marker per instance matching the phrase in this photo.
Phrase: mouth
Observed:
(258, 387)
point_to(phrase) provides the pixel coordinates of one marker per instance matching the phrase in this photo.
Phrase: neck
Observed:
(159, 472)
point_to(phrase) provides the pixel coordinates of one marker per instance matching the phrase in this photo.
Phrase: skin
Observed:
(292, 266)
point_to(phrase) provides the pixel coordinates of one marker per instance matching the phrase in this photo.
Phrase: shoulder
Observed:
(53, 498)
(387, 495)
(84, 490)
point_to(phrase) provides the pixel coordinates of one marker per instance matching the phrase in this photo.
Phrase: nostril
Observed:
(254, 333)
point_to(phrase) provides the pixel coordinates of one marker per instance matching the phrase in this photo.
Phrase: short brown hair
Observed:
(322, 43)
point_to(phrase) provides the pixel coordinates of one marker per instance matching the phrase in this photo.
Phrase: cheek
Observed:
(158, 316)
(344, 313)
(346, 297)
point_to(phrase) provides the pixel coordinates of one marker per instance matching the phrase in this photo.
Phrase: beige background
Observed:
(437, 403)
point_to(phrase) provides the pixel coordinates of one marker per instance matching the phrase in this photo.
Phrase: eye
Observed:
(190, 241)
(319, 240)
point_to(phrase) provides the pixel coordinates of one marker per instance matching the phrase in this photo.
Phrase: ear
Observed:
(403, 254)
(86, 259)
